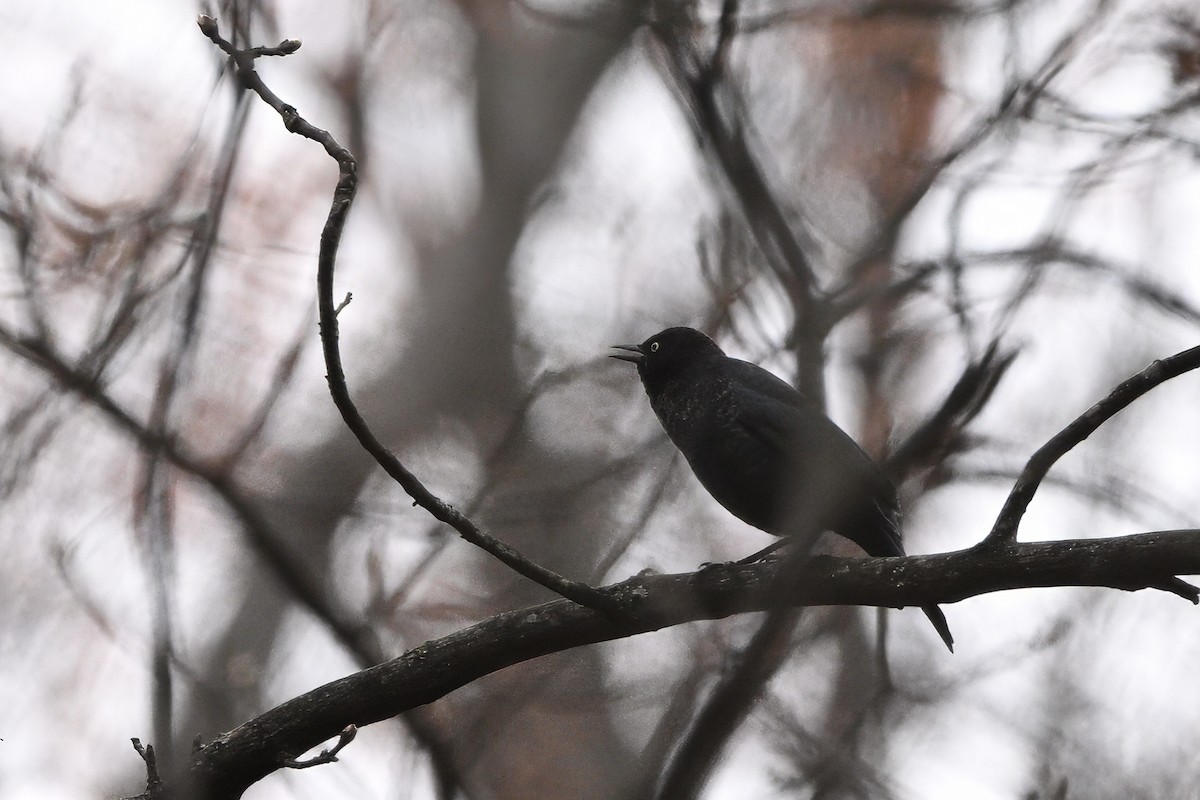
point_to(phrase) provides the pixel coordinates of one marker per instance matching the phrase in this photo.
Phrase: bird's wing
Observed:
(828, 465)
(761, 381)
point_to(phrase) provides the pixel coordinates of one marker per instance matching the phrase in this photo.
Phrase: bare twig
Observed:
(154, 783)
(327, 756)
(1014, 104)
(1004, 531)
(855, 296)
(943, 429)
(1052, 250)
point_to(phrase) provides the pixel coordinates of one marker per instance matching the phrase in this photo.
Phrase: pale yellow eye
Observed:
(654, 347)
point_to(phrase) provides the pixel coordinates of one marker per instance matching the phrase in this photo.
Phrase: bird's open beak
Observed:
(635, 354)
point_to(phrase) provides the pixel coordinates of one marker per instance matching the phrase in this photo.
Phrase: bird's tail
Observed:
(939, 623)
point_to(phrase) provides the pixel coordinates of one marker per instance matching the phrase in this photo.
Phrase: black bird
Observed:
(764, 451)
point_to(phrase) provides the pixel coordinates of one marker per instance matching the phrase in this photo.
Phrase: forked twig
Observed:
(327, 756)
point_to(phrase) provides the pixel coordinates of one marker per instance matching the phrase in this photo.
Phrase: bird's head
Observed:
(667, 354)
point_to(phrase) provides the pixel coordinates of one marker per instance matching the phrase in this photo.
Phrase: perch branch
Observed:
(239, 758)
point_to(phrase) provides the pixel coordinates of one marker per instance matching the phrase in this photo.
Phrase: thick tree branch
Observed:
(228, 765)
(343, 197)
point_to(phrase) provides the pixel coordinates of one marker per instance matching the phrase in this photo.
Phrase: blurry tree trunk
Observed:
(884, 76)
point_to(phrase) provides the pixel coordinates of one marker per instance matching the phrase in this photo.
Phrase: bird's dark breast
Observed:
(746, 477)
(776, 466)
(746, 480)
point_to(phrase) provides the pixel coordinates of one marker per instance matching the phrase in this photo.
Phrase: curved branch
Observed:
(343, 197)
(1162, 370)
(234, 761)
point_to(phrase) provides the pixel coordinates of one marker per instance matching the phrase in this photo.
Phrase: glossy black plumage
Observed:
(763, 451)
